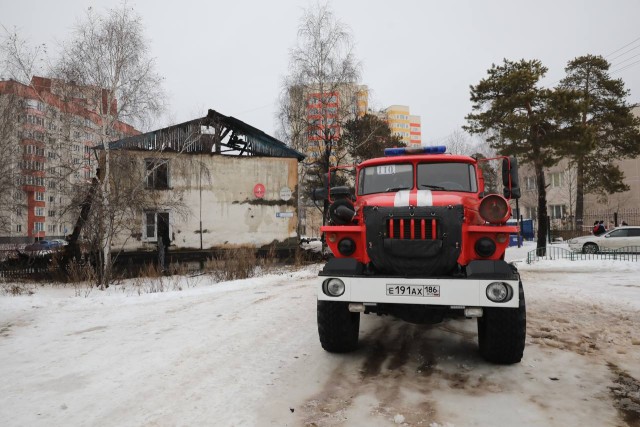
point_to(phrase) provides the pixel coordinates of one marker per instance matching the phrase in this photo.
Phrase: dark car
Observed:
(43, 248)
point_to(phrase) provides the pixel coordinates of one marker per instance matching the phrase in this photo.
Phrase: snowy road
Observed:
(247, 353)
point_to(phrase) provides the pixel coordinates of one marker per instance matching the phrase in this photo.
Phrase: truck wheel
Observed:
(337, 326)
(502, 332)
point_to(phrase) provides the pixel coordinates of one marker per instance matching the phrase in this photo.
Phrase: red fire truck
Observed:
(420, 240)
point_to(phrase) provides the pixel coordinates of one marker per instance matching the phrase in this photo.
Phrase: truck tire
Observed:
(338, 328)
(502, 333)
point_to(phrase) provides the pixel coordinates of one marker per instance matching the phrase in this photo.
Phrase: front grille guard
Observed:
(423, 240)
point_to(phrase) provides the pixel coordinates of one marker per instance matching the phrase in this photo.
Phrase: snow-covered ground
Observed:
(247, 353)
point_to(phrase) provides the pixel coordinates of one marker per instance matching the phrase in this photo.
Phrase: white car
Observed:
(618, 238)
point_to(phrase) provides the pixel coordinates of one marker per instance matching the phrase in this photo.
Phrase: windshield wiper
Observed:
(432, 187)
(390, 189)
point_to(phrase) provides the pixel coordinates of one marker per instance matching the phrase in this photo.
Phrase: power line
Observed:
(256, 108)
(626, 67)
(622, 62)
(624, 53)
(618, 50)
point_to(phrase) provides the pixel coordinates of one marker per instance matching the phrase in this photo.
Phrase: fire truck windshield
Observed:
(385, 178)
(447, 177)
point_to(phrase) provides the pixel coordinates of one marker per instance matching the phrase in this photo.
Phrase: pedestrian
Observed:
(601, 228)
(595, 228)
(624, 223)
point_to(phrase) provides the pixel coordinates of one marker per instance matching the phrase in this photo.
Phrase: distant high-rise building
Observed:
(403, 124)
(327, 111)
(57, 124)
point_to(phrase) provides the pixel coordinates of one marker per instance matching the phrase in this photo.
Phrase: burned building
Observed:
(209, 183)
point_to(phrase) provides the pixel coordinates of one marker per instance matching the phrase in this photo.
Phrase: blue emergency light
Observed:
(401, 151)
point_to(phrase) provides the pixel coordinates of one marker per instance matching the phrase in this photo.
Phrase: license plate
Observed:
(413, 290)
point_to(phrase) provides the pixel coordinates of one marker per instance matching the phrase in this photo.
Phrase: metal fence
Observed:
(629, 253)
(565, 229)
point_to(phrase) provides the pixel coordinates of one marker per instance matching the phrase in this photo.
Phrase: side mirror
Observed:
(342, 192)
(510, 179)
(320, 194)
(327, 179)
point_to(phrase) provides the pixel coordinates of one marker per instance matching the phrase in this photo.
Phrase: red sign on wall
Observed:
(258, 191)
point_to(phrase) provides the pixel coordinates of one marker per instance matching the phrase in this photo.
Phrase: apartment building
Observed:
(403, 124)
(57, 124)
(326, 111)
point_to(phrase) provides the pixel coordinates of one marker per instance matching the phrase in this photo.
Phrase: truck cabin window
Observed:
(447, 177)
(385, 178)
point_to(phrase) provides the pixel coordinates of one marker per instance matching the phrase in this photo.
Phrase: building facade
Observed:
(57, 125)
(403, 124)
(214, 182)
(326, 111)
(627, 200)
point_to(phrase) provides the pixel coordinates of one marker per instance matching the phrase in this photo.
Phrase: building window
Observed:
(39, 196)
(530, 183)
(39, 211)
(555, 179)
(532, 213)
(52, 213)
(150, 225)
(51, 228)
(38, 226)
(157, 171)
(557, 211)
(19, 228)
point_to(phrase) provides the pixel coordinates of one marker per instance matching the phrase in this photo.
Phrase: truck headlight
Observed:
(333, 287)
(499, 292)
(494, 209)
(485, 247)
(346, 246)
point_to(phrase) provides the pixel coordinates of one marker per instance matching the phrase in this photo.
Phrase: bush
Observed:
(233, 264)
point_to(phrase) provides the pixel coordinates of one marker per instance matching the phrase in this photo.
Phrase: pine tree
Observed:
(603, 131)
(520, 118)
(367, 136)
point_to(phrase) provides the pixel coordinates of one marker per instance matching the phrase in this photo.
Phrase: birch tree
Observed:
(109, 61)
(11, 196)
(319, 94)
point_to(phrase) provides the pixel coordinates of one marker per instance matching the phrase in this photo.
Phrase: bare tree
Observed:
(108, 60)
(320, 93)
(459, 142)
(11, 198)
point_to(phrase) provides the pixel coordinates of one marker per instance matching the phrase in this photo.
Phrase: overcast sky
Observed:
(231, 55)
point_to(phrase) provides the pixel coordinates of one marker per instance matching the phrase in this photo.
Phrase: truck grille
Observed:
(412, 228)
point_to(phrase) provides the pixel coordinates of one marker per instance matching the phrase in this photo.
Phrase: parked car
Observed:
(618, 238)
(44, 247)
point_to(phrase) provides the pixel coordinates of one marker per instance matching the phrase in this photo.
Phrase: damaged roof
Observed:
(214, 133)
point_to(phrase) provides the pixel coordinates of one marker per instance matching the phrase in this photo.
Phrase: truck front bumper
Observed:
(451, 292)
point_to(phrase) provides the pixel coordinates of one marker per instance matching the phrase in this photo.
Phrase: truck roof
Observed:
(418, 158)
